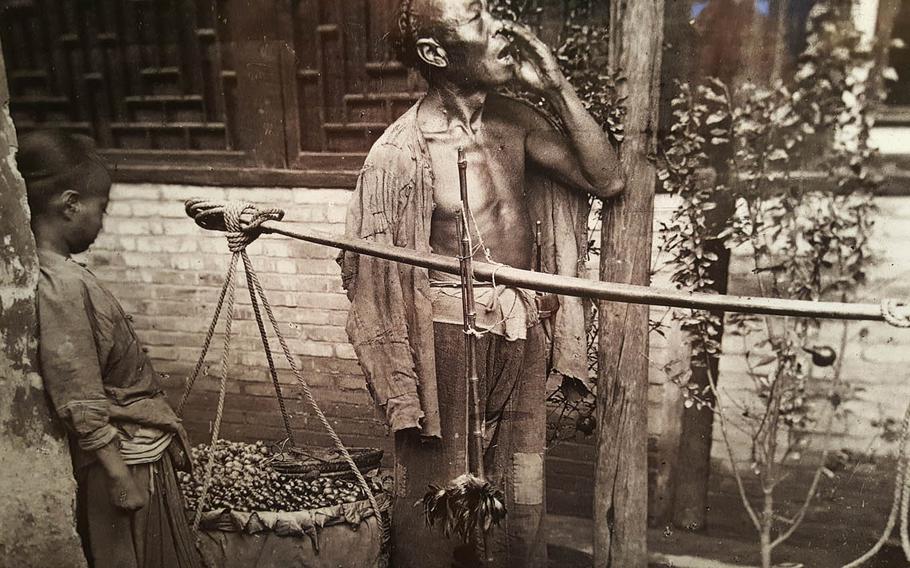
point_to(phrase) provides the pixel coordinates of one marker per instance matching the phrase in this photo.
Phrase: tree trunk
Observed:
(690, 503)
(767, 521)
(621, 486)
(731, 61)
(679, 55)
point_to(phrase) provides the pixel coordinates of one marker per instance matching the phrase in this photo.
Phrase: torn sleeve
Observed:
(377, 321)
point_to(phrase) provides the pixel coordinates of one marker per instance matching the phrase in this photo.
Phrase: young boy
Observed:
(125, 437)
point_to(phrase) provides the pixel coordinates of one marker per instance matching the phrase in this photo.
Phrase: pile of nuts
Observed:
(243, 480)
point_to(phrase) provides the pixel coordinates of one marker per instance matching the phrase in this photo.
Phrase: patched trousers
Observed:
(513, 386)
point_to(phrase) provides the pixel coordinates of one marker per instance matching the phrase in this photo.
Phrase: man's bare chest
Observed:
(495, 174)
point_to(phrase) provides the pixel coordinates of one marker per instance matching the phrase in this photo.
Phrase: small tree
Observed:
(807, 240)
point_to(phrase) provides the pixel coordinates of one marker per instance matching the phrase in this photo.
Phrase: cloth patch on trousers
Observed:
(527, 478)
(401, 480)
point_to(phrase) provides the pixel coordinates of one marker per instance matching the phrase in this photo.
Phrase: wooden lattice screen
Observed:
(210, 91)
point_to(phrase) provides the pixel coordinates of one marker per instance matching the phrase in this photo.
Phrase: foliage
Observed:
(753, 145)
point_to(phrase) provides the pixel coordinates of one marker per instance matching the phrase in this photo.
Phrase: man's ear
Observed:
(431, 53)
(70, 203)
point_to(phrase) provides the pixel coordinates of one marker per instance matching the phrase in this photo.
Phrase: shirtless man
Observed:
(405, 324)
(470, 53)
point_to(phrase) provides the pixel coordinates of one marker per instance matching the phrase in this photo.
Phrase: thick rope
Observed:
(899, 503)
(246, 219)
(273, 372)
(188, 387)
(219, 412)
(242, 222)
(339, 445)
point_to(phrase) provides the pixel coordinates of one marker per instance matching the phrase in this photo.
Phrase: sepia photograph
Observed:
(455, 283)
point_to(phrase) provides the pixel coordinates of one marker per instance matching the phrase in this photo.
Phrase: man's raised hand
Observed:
(535, 67)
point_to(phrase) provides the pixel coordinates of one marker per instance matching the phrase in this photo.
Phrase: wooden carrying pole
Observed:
(620, 467)
(582, 287)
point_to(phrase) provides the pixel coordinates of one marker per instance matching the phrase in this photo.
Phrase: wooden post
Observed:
(620, 481)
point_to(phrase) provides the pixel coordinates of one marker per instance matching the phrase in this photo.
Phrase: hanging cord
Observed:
(212, 216)
(273, 372)
(339, 445)
(901, 502)
(219, 411)
(242, 222)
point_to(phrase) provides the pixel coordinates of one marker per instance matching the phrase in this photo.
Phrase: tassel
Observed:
(464, 506)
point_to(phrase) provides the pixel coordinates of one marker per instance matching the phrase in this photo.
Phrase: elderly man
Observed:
(405, 323)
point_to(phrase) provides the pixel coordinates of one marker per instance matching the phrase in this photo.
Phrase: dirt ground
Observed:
(843, 522)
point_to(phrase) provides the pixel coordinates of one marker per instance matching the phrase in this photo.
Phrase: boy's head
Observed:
(67, 185)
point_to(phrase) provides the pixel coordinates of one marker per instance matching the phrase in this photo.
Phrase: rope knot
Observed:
(896, 313)
(241, 220)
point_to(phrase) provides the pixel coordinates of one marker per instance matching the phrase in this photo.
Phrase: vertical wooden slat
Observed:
(59, 78)
(213, 88)
(228, 85)
(72, 42)
(378, 24)
(96, 81)
(287, 66)
(255, 48)
(32, 55)
(45, 45)
(113, 65)
(188, 46)
(306, 16)
(310, 94)
(355, 32)
(12, 47)
(332, 65)
(157, 14)
(130, 50)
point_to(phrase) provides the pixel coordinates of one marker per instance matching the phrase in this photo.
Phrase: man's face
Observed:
(478, 52)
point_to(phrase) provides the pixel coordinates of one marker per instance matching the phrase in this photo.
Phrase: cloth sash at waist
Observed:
(501, 310)
(144, 445)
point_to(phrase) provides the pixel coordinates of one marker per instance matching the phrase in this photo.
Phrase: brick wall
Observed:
(167, 273)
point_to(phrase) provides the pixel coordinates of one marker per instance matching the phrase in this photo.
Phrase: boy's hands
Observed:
(125, 494)
(122, 491)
